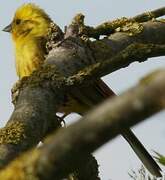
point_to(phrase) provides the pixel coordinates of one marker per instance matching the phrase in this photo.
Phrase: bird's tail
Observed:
(142, 153)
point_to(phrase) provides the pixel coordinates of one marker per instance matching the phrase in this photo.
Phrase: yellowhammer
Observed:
(29, 29)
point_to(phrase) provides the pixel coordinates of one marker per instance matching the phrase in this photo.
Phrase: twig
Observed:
(146, 16)
(108, 28)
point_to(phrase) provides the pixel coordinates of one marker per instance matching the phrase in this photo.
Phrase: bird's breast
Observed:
(28, 58)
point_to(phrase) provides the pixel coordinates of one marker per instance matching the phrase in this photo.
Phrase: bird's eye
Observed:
(18, 21)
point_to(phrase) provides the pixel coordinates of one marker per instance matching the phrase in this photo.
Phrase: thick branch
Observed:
(99, 126)
(103, 124)
(31, 120)
(152, 33)
(134, 52)
(120, 49)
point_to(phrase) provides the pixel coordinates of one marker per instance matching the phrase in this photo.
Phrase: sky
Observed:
(115, 158)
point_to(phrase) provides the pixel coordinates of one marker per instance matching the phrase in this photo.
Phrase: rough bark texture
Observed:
(29, 122)
(73, 144)
(119, 50)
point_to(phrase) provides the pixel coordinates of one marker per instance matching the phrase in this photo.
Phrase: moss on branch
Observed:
(12, 133)
(22, 168)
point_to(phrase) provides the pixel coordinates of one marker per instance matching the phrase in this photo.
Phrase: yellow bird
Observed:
(29, 29)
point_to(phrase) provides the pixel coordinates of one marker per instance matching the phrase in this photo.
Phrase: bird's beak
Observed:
(8, 28)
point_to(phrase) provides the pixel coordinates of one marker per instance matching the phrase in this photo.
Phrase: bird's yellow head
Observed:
(29, 29)
(29, 21)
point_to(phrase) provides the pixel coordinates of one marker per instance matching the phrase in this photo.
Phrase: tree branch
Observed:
(146, 16)
(120, 49)
(99, 126)
(29, 122)
(110, 27)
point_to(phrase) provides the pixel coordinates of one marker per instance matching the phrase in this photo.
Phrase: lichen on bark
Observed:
(13, 133)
